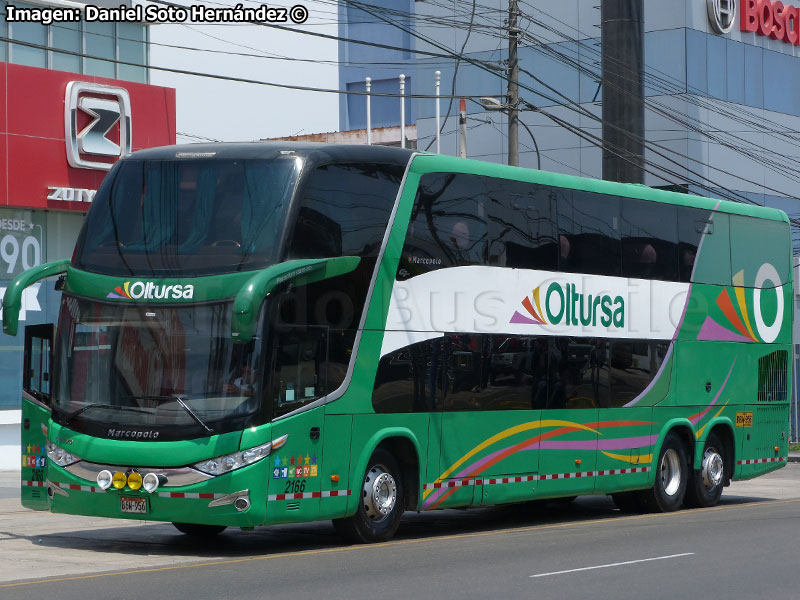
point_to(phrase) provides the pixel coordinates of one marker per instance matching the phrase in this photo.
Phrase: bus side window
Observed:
(38, 362)
(522, 230)
(299, 377)
(448, 224)
(693, 223)
(633, 366)
(589, 233)
(649, 240)
(410, 379)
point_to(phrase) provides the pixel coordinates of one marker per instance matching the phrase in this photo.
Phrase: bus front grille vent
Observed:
(772, 376)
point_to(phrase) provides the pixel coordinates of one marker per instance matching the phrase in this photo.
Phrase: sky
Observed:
(233, 111)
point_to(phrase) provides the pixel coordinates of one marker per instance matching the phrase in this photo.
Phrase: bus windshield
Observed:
(126, 371)
(179, 218)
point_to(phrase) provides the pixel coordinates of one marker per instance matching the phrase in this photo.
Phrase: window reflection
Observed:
(467, 372)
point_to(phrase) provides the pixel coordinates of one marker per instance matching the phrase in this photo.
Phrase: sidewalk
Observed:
(794, 456)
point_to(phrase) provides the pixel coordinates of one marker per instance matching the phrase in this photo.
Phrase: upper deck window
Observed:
(188, 217)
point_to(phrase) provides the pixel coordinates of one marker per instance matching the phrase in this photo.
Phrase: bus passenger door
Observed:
(36, 381)
(298, 379)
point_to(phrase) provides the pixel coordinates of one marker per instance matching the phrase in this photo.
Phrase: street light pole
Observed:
(513, 86)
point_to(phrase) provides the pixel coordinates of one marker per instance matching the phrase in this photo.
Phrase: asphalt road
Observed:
(743, 549)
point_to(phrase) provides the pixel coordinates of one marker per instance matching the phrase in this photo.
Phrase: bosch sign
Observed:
(769, 18)
(774, 19)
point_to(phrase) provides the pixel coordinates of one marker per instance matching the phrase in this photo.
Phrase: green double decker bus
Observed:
(252, 334)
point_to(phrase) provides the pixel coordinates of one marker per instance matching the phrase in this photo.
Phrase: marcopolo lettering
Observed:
(564, 304)
(132, 434)
(776, 20)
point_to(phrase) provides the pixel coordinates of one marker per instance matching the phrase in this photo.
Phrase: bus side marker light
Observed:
(335, 478)
(119, 480)
(578, 461)
(777, 449)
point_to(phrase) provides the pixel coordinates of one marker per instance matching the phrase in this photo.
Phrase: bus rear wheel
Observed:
(705, 485)
(669, 489)
(199, 531)
(380, 505)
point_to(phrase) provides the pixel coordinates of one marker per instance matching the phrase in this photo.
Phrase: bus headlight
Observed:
(237, 460)
(104, 479)
(60, 456)
(150, 483)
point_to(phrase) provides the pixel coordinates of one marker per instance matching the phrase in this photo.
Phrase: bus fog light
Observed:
(118, 480)
(104, 478)
(134, 481)
(241, 504)
(150, 483)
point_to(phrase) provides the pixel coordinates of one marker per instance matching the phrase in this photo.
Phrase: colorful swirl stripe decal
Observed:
(509, 432)
(433, 500)
(711, 330)
(634, 459)
(738, 282)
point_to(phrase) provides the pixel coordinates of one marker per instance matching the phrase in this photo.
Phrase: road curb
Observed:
(794, 459)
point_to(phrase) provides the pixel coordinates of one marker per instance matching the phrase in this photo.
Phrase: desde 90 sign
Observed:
(20, 242)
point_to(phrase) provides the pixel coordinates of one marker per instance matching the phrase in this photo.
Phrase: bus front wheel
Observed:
(381, 502)
(705, 484)
(199, 531)
(668, 491)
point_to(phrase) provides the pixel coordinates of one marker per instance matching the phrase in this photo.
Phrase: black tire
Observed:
(629, 502)
(705, 484)
(382, 490)
(199, 531)
(672, 474)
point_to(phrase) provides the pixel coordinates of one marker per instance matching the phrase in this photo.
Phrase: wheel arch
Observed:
(680, 427)
(722, 427)
(404, 446)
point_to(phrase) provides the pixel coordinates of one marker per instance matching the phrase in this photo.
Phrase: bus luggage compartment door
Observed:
(36, 379)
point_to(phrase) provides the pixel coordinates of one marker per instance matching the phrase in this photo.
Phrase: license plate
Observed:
(133, 505)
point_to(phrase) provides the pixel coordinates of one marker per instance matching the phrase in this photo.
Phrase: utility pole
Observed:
(462, 128)
(513, 86)
(622, 37)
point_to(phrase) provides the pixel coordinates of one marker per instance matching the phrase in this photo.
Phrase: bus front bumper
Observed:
(235, 499)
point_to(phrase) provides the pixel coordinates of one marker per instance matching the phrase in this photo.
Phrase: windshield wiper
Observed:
(193, 414)
(182, 404)
(83, 409)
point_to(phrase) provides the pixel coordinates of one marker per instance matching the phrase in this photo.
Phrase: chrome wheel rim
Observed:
(713, 468)
(379, 493)
(670, 472)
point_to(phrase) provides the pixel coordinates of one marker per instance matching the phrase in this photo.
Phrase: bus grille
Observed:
(772, 376)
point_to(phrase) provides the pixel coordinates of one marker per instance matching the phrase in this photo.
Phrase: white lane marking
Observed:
(619, 564)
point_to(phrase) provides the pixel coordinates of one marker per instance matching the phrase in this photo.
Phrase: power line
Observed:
(289, 86)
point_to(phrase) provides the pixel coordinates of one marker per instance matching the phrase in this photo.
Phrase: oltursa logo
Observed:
(147, 290)
(565, 305)
(533, 315)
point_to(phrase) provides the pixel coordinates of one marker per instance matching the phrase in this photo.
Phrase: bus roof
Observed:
(320, 153)
(435, 163)
(316, 153)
